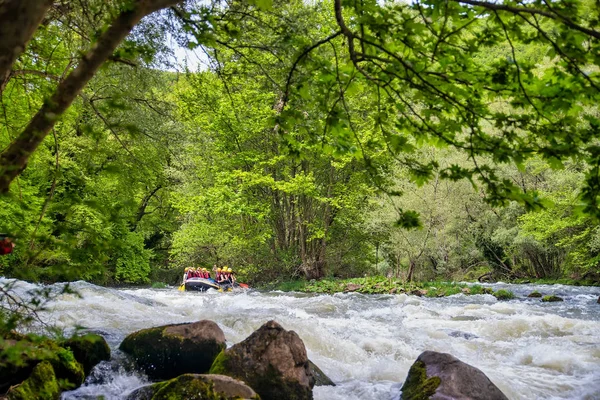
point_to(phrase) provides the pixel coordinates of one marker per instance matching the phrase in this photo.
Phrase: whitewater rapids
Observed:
(366, 343)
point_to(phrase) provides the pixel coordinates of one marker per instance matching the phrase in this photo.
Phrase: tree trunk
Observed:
(14, 159)
(19, 20)
(411, 270)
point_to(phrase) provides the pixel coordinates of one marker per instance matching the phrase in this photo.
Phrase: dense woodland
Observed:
(427, 140)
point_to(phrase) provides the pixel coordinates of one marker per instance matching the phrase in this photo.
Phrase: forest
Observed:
(424, 140)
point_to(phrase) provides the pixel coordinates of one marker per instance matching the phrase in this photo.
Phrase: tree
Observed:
(16, 19)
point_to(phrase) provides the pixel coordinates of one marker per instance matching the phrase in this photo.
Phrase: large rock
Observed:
(272, 361)
(440, 376)
(168, 351)
(195, 387)
(40, 385)
(551, 298)
(319, 376)
(89, 350)
(21, 354)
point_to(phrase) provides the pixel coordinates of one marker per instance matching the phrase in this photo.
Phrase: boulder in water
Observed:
(40, 385)
(89, 350)
(598, 301)
(168, 351)
(320, 378)
(551, 298)
(272, 361)
(24, 353)
(440, 376)
(534, 294)
(196, 387)
(503, 294)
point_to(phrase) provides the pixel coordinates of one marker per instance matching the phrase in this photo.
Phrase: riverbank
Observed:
(383, 285)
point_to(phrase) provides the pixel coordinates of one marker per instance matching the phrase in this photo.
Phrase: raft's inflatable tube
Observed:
(200, 284)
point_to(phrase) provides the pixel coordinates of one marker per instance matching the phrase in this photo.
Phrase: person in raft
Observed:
(222, 278)
(186, 273)
(6, 245)
(231, 276)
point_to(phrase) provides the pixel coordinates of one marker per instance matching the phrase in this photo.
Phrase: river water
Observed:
(367, 343)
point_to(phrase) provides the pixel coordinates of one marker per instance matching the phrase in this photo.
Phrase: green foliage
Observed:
(325, 139)
(133, 262)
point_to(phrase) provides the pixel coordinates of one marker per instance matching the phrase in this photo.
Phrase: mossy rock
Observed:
(41, 385)
(168, 351)
(89, 350)
(32, 350)
(504, 294)
(417, 385)
(534, 294)
(442, 376)
(196, 387)
(487, 290)
(272, 361)
(551, 299)
(319, 376)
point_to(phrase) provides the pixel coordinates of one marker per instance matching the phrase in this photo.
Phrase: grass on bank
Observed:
(379, 285)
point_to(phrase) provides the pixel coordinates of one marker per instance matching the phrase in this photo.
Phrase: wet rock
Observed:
(464, 335)
(352, 287)
(32, 351)
(441, 376)
(168, 351)
(534, 294)
(419, 292)
(465, 318)
(598, 301)
(503, 294)
(320, 379)
(466, 290)
(40, 385)
(195, 387)
(89, 350)
(272, 361)
(551, 298)
(487, 290)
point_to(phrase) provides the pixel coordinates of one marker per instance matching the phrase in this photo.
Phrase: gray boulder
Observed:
(441, 376)
(168, 351)
(272, 361)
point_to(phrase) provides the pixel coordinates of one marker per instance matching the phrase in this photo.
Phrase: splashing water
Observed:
(367, 343)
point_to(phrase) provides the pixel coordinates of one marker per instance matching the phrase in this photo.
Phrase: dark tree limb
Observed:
(14, 159)
(19, 20)
(532, 11)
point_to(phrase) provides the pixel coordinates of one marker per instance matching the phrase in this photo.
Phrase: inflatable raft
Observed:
(200, 284)
(203, 284)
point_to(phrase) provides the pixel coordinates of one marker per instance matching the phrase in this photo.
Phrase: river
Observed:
(367, 343)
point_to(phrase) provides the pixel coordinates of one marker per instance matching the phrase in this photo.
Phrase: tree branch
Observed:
(15, 158)
(527, 10)
(19, 20)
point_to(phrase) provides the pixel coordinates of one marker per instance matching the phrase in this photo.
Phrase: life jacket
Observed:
(6, 247)
(207, 275)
